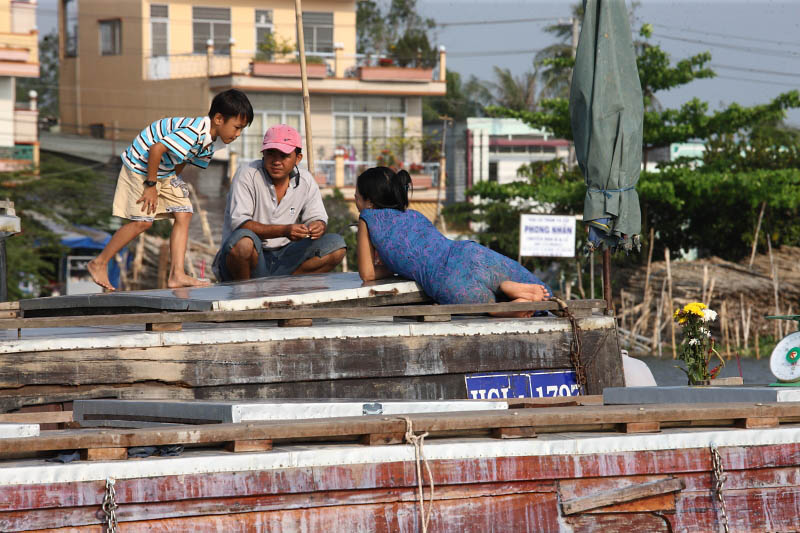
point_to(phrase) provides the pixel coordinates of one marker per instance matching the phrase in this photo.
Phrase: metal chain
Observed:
(110, 506)
(719, 485)
(575, 345)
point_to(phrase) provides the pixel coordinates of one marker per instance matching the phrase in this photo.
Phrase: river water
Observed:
(753, 372)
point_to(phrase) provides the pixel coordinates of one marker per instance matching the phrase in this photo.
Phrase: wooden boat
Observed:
(245, 340)
(697, 467)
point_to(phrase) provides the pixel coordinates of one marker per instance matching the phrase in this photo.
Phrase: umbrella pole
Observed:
(607, 280)
(301, 48)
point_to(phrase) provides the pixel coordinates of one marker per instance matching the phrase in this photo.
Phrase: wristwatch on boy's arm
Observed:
(150, 183)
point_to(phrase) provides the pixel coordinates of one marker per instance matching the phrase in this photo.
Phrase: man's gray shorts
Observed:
(278, 262)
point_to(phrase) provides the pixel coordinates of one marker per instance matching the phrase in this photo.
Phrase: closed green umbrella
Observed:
(606, 110)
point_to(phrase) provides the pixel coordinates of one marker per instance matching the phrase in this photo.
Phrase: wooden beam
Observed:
(164, 326)
(625, 494)
(38, 417)
(237, 446)
(104, 454)
(640, 427)
(514, 433)
(758, 422)
(355, 427)
(378, 439)
(286, 314)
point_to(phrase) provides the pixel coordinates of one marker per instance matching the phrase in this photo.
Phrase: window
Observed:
(211, 23)
(70, 28)
(270, 110)
(492, 170)
(159, 29)
(365, 125)
(110, 37)
(318, 32)
(263, 25)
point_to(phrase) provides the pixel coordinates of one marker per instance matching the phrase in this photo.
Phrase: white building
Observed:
(497, 147)
(19, 57)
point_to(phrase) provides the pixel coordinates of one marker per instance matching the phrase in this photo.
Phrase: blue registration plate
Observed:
(533, 384)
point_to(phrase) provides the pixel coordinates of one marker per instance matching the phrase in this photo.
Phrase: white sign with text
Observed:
(547, 236)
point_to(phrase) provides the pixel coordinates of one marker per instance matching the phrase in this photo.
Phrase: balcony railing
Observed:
(424, 177)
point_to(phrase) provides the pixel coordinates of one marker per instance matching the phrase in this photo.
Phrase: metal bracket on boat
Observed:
(372, 409)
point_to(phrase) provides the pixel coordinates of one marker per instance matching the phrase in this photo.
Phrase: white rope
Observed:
(419, 452)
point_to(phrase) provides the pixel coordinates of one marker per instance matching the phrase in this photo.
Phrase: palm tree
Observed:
(516, 93)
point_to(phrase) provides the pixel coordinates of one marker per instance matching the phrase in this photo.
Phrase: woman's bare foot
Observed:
(182, 280)
(99, 273)
(525, 291)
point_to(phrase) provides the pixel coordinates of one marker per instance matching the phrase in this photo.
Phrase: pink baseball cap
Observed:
(282, 137)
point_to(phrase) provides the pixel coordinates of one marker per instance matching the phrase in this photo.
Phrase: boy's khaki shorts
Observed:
(173, 197)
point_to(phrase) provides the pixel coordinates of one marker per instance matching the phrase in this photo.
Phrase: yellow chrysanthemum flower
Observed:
(695, 308)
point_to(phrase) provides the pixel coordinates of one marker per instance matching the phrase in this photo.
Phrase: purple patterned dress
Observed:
(450, 272)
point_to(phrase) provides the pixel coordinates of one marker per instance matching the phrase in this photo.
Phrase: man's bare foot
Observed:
(182, 280)
(99, 273)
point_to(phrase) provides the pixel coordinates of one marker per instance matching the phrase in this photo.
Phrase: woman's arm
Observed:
(367, 268)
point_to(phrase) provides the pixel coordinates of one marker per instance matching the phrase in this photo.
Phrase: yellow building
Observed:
(128, 62)
(19, 58)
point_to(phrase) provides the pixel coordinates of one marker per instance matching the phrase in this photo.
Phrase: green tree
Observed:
(751, 158)
(46, 85)
(461, 101)
(396, 30)
(61, 191)
(512, 92)
(341, 220)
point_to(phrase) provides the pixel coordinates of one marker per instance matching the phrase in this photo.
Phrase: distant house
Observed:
(19, 58)
(127, 63)
(497, 147)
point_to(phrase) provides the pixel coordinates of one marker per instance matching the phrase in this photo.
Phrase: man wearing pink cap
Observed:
(274, 219)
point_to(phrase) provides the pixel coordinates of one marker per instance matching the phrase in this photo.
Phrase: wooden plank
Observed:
(164, 326)
(9, 306)
(622, 523)
(640, 427)
(284, 314)
(511, 512)
(621, 495)
(514, 433)
(301, 360)
(8, 314)
(158, 504)
(377, 439)
(263, 445)
(47, 417)
(354, 427)
(758, 422)
(295, 323)
(434, 318)
(104, 454)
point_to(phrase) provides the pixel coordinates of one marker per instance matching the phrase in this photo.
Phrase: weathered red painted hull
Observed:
(762, 493)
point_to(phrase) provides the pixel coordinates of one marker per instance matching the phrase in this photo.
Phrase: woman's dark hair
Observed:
(232, 103)
(384, 187)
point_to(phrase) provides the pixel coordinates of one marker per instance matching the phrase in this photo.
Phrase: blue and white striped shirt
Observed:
(187, 140)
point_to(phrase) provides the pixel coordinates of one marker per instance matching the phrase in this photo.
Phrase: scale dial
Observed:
(785, 359)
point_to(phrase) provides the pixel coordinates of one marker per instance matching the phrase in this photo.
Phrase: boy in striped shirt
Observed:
(149, 186)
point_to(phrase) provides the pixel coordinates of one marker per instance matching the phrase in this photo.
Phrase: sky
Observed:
(755, 44)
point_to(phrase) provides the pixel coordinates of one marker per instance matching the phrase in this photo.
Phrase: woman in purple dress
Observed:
(395, 240)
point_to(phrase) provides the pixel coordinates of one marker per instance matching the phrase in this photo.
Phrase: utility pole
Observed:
(442, 173)
(576, 30)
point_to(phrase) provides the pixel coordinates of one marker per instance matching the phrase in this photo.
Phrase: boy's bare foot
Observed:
(182, 280)
(99, 273)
